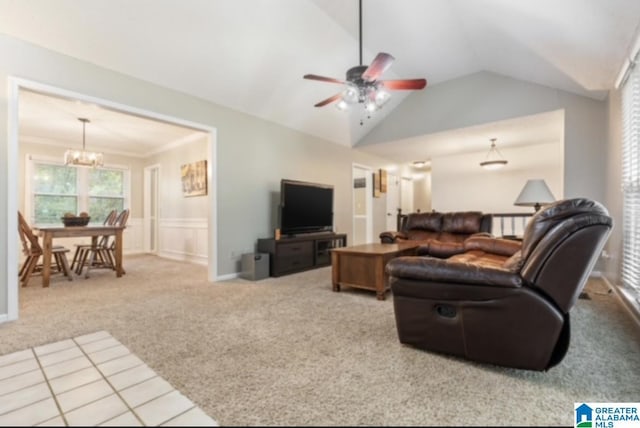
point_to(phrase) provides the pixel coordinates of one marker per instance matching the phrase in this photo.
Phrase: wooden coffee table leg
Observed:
(335, 272)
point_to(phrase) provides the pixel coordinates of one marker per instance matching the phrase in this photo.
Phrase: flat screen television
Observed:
(305, 207)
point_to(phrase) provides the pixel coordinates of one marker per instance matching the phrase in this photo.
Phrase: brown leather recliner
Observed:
(498, 302)
(440, 234)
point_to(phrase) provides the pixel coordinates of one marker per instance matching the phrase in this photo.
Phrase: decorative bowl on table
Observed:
(75, 220)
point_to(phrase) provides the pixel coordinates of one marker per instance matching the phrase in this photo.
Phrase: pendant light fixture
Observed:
(494, 159)
(82, 157)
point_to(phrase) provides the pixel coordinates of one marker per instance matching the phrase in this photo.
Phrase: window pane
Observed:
(55, 179)
(106, 182)
(99, 208)
(49, 209)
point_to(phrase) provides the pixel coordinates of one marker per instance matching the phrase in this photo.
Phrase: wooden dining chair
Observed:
(33, 251)
(103, 255)
(83, 251)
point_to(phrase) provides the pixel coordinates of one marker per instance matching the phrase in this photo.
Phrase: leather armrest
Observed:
(391, 237)
(442, 270)
(502, 247)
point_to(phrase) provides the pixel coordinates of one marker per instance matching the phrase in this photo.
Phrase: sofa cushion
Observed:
(421, 235)
(462, 222)
(504, 247)
(424, 221)
(457, 238)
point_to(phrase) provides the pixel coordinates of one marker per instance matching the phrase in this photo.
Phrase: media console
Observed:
(300, 253)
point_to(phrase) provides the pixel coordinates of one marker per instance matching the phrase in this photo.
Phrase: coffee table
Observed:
(362, 266)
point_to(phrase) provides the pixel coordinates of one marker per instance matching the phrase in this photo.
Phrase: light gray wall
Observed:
(252, 154)
(486, 97)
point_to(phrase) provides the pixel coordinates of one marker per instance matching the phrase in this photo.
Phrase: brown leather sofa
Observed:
(440, 234)
(503, 302)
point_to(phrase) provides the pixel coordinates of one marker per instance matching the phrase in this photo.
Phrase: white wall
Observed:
(460, 184)
(182, 221)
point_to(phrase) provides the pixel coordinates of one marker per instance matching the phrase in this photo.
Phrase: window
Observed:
(631, 181)
(59, 189)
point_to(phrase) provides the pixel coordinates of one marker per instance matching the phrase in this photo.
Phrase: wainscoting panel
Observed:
(184, 239)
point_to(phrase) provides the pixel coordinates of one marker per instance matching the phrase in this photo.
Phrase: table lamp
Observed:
(534, 194)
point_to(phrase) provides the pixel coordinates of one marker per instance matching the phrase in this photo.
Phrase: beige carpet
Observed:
(289, 351)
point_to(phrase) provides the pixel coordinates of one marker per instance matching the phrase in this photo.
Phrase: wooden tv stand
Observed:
(300, 253)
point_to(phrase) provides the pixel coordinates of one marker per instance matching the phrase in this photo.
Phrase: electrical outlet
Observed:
(605, 254)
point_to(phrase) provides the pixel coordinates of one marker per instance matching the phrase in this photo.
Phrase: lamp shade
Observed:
(534, 194)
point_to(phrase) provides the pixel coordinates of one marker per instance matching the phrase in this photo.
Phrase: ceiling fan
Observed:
(363, 84)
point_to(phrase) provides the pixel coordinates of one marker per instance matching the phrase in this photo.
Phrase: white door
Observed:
(406, 195)
(393, 201)
(362, 188)
(150, 198)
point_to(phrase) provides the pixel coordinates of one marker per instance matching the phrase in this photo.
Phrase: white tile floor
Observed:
(91, 380)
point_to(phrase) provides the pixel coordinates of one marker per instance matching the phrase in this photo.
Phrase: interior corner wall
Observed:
(613, 199)
(252, 154)
(171, 202)
(487, 97)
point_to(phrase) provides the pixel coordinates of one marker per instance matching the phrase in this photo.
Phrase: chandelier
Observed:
(82, 157)
(494, 159)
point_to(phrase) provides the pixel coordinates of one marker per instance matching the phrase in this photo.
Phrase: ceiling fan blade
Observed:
(323, 79)
(381, 63)
(328, 100)
(405, 84)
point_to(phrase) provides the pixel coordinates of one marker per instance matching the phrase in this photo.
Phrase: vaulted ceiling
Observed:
(250, 55)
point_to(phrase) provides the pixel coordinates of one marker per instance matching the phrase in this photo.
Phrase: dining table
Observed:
(49, 233)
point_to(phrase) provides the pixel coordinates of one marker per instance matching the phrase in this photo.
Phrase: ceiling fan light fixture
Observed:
(351, 95)
(342, 105)
(382, 96)
(494, 159)
(363, 84)
(370, 105)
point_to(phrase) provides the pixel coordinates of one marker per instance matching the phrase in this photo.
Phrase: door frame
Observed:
(368, 200)
(147, 211)
(13, 143)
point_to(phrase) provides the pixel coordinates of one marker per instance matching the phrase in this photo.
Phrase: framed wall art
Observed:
(376, 184)
(194, 178)
(383, 181)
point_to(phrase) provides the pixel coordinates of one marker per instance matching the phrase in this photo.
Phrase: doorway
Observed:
(362, 182)
(393, 201)
(150, 220)
(406, 195)
(15, 87)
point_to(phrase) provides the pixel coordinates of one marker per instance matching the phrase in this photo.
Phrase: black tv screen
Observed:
(305, 207)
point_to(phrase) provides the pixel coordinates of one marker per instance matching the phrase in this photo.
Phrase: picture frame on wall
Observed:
(376, 184)
(383, 181)
(194, 178)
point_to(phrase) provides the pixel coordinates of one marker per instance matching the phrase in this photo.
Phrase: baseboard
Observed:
(596, 274)
(4, 318)
(183, 257)
(228, 276)
(632, 308)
